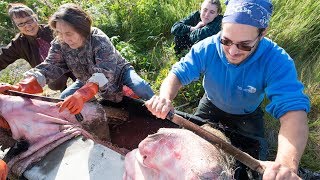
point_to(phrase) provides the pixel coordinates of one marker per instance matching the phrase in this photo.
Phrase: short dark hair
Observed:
(75, 16)
(19, 10)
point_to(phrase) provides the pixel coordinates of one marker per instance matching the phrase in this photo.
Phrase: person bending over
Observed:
(88, 53)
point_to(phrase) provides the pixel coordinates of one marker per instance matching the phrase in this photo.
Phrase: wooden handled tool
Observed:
(239, 155)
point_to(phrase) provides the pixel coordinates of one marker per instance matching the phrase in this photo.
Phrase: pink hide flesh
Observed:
(42, 126)
(172, 154)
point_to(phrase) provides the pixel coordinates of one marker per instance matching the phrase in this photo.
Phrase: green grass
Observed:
(140, 30)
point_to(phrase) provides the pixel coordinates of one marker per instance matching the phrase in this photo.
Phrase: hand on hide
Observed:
(274, 170)
(28, 85)
(75, 102)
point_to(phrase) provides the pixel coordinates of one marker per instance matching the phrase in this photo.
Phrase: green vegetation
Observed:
(140, 29)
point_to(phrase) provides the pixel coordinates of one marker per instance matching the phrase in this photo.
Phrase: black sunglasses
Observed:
(240, 46)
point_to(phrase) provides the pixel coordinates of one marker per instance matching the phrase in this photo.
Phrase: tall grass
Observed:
(143, 22)
(295, 26)
(140, 30)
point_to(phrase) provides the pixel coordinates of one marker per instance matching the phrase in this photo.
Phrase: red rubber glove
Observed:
(4, 87)
(76, 101)
(3, 170)
(28, 85)
(129, 93)
(4, 124)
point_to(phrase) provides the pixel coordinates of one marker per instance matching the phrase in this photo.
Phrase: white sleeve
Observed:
(40, 77)
(99, 78)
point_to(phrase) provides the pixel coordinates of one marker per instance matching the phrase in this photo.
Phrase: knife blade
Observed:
(79, 116)
(32, 96)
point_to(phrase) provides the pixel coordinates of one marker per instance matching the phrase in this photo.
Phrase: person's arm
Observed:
(182, 73)
(207, 30)
(170, 87)
(75, 102)
(52, 68)
(198, 27)
(10, 53)
(162, 104)
(183, 27)
(292, 140)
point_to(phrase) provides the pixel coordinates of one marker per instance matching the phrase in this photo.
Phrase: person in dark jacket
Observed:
(32, 43)
(197, 26)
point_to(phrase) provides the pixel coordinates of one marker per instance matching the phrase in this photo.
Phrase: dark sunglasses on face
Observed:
(240, 46)
(30, 21)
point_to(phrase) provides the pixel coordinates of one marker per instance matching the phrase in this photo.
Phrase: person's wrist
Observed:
(78, 94)
(15, 87)
(295, 165)
(165, 96)
(87, 92)
(292, 164)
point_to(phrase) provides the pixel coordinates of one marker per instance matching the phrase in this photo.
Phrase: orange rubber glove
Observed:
(76, 101)
(4, 124)
(28, 85)
(129, 92)
(4, 87)
(3, 170)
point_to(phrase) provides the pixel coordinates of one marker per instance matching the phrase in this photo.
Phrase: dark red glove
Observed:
(28, 85)
(76, 101)
(3, 170)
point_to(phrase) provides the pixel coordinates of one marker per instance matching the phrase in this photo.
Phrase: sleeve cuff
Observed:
(99, 78)
(40, 77)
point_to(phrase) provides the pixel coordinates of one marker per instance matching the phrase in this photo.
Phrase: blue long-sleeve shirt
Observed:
(240, 89)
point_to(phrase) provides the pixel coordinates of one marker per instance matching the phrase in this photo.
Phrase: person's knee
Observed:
(138, 85)
(63, 95)
(55, 87)
(71, 89)
(67, 92)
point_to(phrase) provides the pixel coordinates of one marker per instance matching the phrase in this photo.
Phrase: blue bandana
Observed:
(255, 13)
